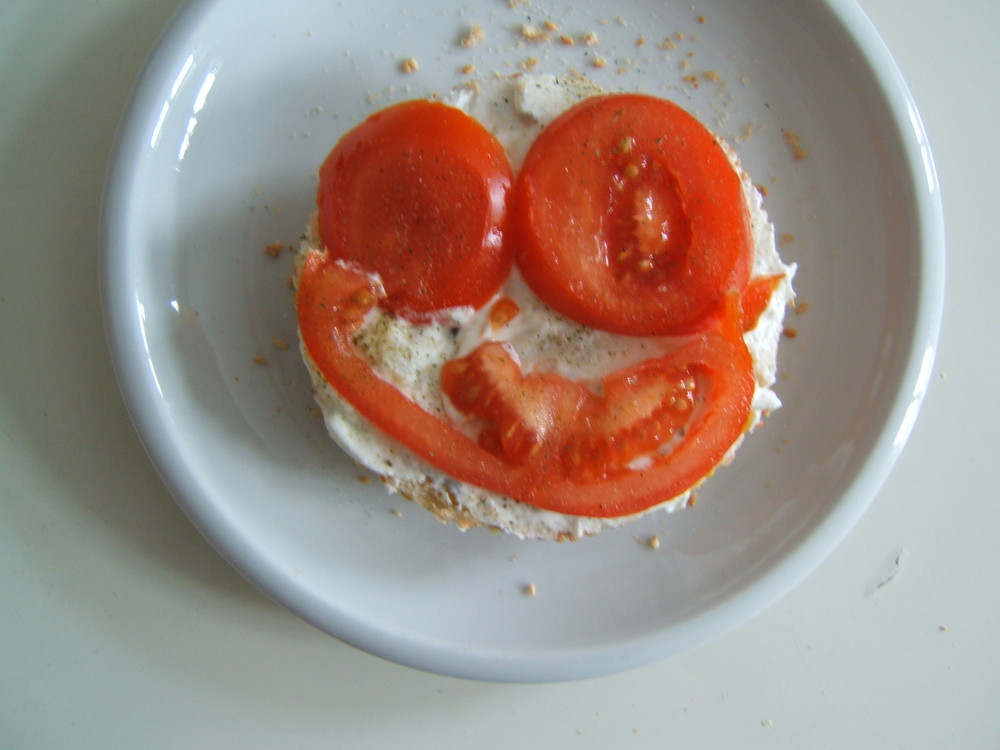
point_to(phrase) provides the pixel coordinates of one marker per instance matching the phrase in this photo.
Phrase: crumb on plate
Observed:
(532, 33)
(473, 36)
(795, 143)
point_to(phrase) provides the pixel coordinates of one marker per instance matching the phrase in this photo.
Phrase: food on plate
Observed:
(538, 307)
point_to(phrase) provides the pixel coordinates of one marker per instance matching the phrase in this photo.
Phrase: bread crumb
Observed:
(473, 36)
(801, 307)
(396, 512)
(712, 76)
(795, 143)
(551, 26)
(767, 723)
(260, 359)
(589, 39)
(654, 542)
(529, 590)
(567, 40)
(691, 501)
(701, 19)
(599, 62)
(279, 343)
(468, 69)
(666, 44)
(943, 628)
(409, 65)
(274, 249)
(790, 333)
(530, 63)
(533, 34)
(784, 238)
(364, 479)
(640, 41)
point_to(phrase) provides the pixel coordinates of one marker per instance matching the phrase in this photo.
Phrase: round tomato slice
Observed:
(418, 193)
(545, 440)
(631, 218)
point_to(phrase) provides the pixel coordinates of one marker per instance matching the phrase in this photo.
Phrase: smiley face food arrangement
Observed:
(545, 343)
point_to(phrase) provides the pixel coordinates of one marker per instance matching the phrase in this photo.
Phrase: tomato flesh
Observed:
(522, 416)
(417, 193)
(631, 218)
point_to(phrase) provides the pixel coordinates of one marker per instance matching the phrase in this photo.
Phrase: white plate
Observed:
(216, 159)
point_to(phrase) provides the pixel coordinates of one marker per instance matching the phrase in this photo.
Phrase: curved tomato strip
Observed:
(332, 299)
(631, 218)
(418, 194)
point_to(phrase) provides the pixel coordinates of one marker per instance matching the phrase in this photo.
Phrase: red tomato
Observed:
(417, 193)
(545, 440)
(631, 218)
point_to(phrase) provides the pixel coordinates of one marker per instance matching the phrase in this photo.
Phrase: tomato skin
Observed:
(631, 218)
(418, 194)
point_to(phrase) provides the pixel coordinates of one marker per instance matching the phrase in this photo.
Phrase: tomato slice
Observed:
(418, 194)
(631, 218)
(545, 440)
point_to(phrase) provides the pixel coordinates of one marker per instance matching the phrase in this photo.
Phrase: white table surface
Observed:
(121, 627)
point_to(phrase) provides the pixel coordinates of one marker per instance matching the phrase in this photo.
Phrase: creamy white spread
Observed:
(411, 356)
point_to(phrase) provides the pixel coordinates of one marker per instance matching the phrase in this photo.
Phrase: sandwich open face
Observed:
(540, 308)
